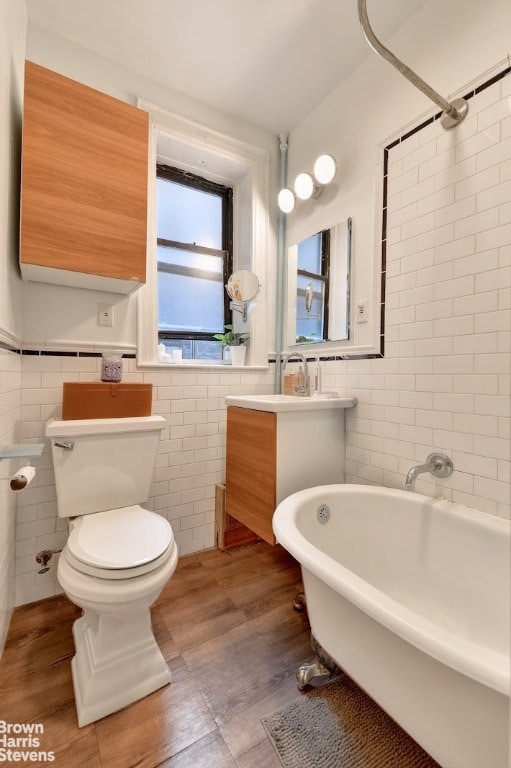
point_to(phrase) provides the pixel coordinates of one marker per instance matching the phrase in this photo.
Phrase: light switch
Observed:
(362, 312)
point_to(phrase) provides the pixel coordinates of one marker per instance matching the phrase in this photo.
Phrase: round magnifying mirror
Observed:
(243, 285)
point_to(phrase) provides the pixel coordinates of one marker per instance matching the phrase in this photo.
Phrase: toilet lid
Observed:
(119, 538)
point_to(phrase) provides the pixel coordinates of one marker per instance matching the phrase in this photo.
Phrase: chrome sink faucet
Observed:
(438, 464)
(302, 389)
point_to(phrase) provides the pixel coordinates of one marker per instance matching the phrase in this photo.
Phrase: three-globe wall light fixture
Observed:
(308, 186)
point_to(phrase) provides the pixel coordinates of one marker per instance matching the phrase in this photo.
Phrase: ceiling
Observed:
(268, 62)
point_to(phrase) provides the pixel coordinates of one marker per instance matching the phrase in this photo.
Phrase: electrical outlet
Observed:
(362, 313)
(105, 314)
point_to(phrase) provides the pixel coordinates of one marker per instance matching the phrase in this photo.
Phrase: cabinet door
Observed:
(84, 184)
(251, 469)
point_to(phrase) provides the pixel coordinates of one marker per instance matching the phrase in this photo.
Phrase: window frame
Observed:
(225, 192)
(179, 140)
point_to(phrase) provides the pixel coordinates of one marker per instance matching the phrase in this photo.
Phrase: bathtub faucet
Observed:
(301, 389)
(438, 464)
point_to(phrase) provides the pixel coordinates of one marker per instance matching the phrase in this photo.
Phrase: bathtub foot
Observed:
(307, 673)
(299, 604)
(322, 669)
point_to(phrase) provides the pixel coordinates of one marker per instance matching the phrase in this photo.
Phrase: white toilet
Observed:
(117, 559)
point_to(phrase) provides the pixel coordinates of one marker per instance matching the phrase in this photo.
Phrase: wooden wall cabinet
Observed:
(83, 186)
(272, 455)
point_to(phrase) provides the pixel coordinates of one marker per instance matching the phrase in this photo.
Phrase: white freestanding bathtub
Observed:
(411, 597)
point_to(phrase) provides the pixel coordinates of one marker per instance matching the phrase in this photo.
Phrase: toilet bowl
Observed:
(116, 561)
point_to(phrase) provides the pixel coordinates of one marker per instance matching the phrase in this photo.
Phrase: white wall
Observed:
(444, 381)
(192, 452)
(399, 418)
(445, 378)
(12, 42)
(76, 318)
(191, 458)
(447, 44)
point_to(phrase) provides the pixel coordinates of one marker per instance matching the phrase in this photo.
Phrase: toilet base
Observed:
(117, 660)
(107, 680)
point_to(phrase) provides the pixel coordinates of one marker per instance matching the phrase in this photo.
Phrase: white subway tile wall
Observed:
(190, 460)
(444, 383)
(10, 387)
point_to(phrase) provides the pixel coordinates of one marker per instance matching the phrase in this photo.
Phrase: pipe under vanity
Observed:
(437, 463)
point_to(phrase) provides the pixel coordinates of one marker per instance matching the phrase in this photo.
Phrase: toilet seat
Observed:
(119, 543)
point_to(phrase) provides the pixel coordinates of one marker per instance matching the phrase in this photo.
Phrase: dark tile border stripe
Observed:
(9, 347)
(56, 352)
(386, 150)
(324, 358)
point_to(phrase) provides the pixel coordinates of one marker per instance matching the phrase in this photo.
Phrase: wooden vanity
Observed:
(277, 445)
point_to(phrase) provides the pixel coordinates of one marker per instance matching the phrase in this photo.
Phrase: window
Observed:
(312, 286)
(194, 261)
(245, 167)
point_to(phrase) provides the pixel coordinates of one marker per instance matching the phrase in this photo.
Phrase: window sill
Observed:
(202, 364)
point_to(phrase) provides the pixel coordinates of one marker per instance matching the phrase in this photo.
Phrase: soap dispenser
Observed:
(317, 377)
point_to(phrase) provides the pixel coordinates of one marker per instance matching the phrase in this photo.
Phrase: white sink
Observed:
(277, 403)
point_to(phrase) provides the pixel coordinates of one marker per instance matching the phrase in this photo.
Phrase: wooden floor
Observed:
(226, 626)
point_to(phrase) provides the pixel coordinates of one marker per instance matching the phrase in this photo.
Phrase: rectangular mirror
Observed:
(319, 286)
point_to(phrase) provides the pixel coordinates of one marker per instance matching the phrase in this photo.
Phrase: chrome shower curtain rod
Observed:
(453, 112)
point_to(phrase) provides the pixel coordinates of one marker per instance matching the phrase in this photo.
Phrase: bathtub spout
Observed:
(414, 472)
(438, 464)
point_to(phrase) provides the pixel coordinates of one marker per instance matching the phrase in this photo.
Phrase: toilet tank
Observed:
(103, 463)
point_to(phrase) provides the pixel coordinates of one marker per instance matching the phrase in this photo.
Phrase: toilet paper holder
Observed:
(22, 478)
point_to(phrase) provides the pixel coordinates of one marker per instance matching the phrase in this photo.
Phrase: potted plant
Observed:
(235, 341)
(305, 339)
